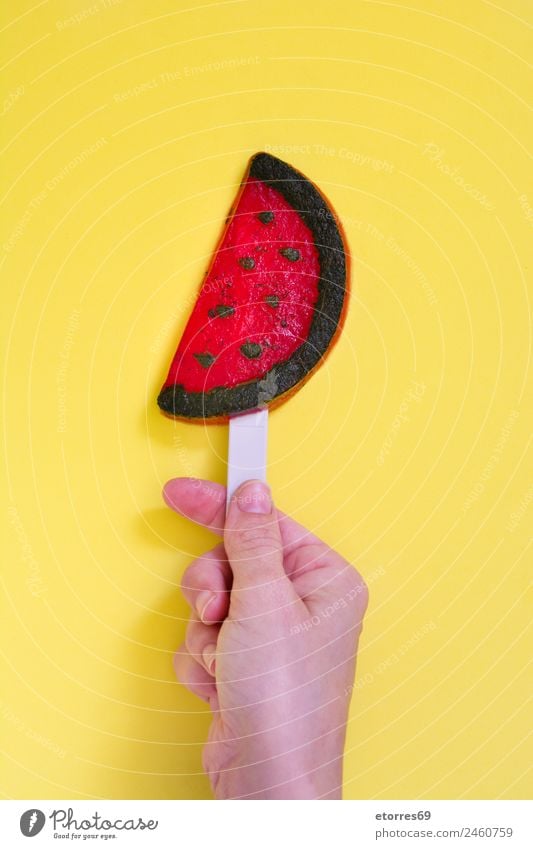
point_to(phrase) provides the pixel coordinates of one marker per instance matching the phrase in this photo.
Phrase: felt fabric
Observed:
(271, 302)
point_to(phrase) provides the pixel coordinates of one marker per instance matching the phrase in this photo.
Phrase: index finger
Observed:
(204, 502)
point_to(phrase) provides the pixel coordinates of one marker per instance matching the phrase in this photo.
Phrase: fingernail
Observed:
(254, 497)
(209, 655)
(203, 600)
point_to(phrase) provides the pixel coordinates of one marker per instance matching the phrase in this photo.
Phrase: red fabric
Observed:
(279, 330)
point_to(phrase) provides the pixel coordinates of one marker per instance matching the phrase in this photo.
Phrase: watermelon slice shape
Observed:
(272, 302)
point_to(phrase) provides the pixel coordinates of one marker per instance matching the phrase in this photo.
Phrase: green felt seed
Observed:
(272, 300)
(247, 262)
(205, 360)
(265, 217)
(251, 350)
(290, 253)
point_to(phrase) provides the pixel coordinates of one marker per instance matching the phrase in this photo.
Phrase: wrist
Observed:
(288, 776)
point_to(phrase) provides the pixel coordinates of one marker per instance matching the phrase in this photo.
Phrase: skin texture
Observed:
(271, 645)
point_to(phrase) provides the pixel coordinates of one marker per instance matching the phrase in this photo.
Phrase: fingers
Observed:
(253, 543)
(201, 643)
(195, 660)
(193, 676)
(206, 584)
(201, 501)
(295, 535)
(204, 502)
(331, 584)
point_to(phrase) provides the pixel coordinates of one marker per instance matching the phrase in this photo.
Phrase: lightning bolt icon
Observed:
(33, 820)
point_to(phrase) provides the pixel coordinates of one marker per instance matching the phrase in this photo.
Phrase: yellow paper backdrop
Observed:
(127, 126)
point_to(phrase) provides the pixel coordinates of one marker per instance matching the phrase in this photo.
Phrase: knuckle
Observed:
(343, 571)
(358, 587)
(354, 577)
(254, 543)
(205, 572)
(317, 553)
(188, 581)
(250, 538)
(353, 585)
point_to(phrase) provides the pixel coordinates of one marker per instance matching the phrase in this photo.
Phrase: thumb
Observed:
(253, 544)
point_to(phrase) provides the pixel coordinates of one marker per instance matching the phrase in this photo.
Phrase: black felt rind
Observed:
(302, 195)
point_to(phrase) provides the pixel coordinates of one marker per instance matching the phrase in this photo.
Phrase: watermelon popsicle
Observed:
(270, 308)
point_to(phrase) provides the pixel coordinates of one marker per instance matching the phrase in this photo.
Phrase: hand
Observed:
(271, 645)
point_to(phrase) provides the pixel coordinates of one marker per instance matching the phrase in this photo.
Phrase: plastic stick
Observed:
(247, 454)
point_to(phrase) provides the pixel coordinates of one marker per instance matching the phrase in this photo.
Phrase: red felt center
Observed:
(256, 303)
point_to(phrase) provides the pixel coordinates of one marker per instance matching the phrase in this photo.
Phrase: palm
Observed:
(285, 652)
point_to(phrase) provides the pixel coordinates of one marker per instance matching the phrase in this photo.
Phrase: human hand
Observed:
(271, 645)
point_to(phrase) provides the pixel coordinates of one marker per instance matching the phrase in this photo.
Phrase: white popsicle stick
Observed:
(247, 454)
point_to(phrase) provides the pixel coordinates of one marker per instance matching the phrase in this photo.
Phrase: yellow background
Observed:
(126, 133)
